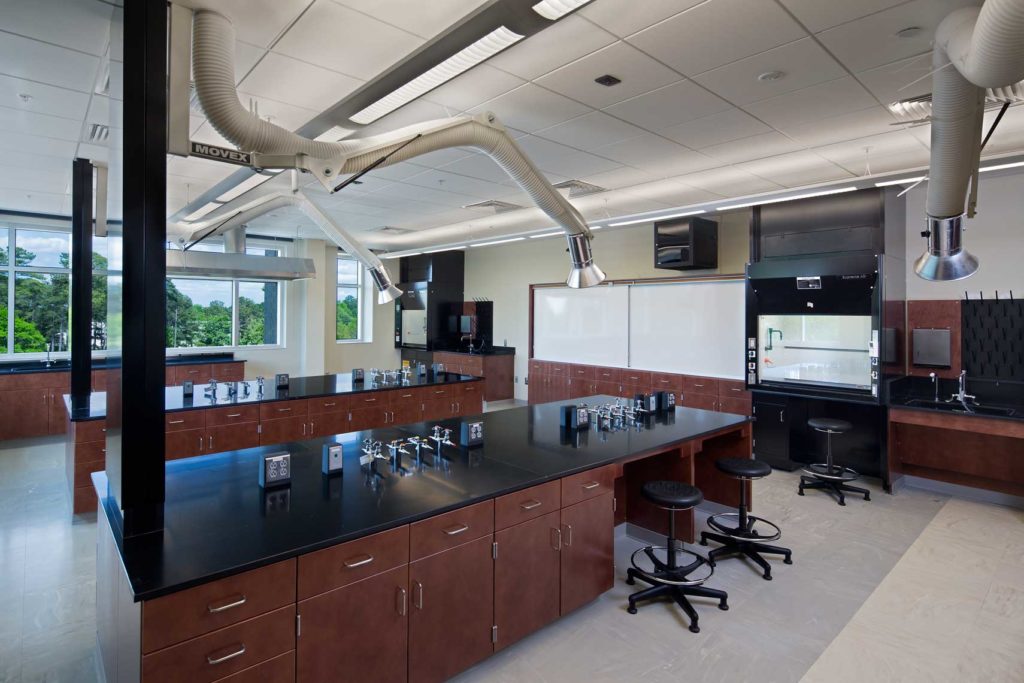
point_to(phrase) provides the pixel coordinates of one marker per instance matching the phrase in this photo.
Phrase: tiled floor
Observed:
(909, 587)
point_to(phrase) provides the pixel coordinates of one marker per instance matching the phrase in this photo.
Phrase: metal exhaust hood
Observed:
(240, 266)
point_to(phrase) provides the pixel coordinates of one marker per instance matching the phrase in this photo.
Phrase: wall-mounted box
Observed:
(686, 244)
(931, 347)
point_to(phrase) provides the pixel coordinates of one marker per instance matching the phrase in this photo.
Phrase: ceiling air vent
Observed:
(98, 132)
(919, 109)
(495, 204)
(578, 188)
(391, 230)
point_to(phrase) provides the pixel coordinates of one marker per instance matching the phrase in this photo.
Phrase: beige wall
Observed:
(504, 273)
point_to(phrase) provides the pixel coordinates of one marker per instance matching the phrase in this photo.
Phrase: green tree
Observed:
(347, 318)
(250, 322)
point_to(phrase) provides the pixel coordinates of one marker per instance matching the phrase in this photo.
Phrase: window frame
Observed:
(364, 334)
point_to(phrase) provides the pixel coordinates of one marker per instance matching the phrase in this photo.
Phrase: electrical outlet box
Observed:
(472, 434)
(276, 470)
(333, 458)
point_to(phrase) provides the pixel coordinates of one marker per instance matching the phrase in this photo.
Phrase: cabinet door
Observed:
(439, 409)
(335, 627)
(702, 401)
(452, 611)
(185, 443)
(26, 412)
(406, 413)
(587, 551)
(771, 433)
(739, 406)
(526, 578)
(58, 413)
(232, 437)
(325, 424)
(284, 429)
(369, 418)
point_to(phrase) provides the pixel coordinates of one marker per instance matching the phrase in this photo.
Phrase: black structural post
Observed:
(81, 279)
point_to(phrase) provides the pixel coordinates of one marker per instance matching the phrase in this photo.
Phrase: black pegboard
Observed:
(993, 339)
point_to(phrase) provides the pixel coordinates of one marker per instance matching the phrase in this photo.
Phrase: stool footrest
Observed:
(750, 533)
(834, 472)
(659, 570)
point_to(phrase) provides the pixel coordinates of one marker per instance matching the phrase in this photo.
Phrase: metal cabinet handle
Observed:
(209, 441)
(361, 562)
(174, 422)
(403, 601)
(699, 386)
(369, 400)
(312, 424)
(210, 659)
(556, 536)
(234, 415)
(193, 372)
(531, 505)
(782, 416)
(456, 529)
(591, 485)
(284, 410)
(734, 389)
(568, 535)
(418, 595)
(329, 405)
(303, 428)
(200, 442)
(237, 602)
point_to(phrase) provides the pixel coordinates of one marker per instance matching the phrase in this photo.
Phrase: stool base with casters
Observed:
(670, 577)
(747, 536)
(827, 476)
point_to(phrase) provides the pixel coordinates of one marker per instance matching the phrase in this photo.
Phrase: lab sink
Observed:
(956, 407)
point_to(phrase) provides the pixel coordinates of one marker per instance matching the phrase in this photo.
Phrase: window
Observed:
(350, 284)
(257, 313)
(198, 312)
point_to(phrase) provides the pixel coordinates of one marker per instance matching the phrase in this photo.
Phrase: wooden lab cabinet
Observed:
(497, 371)
(32, 404)
(588, 553)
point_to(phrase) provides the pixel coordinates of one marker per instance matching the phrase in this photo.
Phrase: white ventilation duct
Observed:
(974, 49)
(213, 69)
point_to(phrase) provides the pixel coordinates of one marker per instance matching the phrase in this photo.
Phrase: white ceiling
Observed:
(689, 122)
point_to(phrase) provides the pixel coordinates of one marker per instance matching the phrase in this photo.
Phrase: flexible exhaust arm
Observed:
(213, 68)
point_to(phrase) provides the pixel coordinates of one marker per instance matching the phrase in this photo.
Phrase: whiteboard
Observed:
(587, 326)
(690, 328)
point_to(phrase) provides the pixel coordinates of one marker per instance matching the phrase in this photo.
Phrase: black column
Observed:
(81, 280)
(135, 463)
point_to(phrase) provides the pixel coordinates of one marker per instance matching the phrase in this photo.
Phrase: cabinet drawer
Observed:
(211, 606)
(609, 375)
(665, 381)
(472, 365)
(278, 409)
(228, 372)
(439, 391)
(589, 484)
(467, 389)
(406, 397)
(280, 669)
(226, 651)
(328, 404)
(90, 430)
(728, 388)
(700, 385)
(90, 451)
(641, 379)
(193, 373)
(453, 528)
(583, 372)
(527, 504)
(558, 369)
(232, 415)
(538, 367)
(347, 563)
(181, 420)
(371, 399)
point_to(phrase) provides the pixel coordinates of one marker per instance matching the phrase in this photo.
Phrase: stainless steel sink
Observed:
(955, 407)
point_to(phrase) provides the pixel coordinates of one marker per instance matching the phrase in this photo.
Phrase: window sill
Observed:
(353, 341)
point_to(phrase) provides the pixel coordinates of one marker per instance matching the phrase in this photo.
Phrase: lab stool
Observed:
(827, 476)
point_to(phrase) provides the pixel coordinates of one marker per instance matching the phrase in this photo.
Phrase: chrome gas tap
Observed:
(447, 438)
(259, 385)
(395, 446)
(245, 387)
(962, 396)
(435, 436)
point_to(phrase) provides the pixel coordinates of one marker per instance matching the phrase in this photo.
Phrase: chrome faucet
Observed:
(962, 396)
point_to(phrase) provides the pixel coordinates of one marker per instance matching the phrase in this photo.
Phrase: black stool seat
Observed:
(744, 468)
(673, 494)
(830, 424)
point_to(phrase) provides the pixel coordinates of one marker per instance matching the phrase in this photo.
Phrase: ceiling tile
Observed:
(669, 193)
(656, 155)
(624, 176)
(35, 161)
(818, 15)
(716, 33)
(32, 202)
(591, 131)
(892, 82)
(344, 40)
(816, 102)
(638, 73)
(415, 112)
(850, 126)
(610, 15)
(421, 193)
(555, 46)
(753, 147)
(795, 169)
(14, 141)
(425, 19)
(472, 188)
(715, 129)
(443, 157)
(479, 84)
(43, 63)
(256, 21)
(206, 134)
(285, 115)
(45, 99)
(285, 79)
(728, 181)
(399, 171)
(82, 25)
(852, 154)
(35, 180)
(478, 166)
(246, 57)
(668, 106)
(872, 41)
(195, 167)
(552, 157)
(531, 108)
(802, 63)
(44, 125)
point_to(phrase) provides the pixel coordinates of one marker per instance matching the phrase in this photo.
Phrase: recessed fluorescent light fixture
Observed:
(243, 187)
(389, 256)
(203, 210)
(651, 219)
(490, 244)
(437, 251)
(556, 9)
(547, 234)
(463, 60)
(1000, 167)
(786, 199)
(901, 181)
